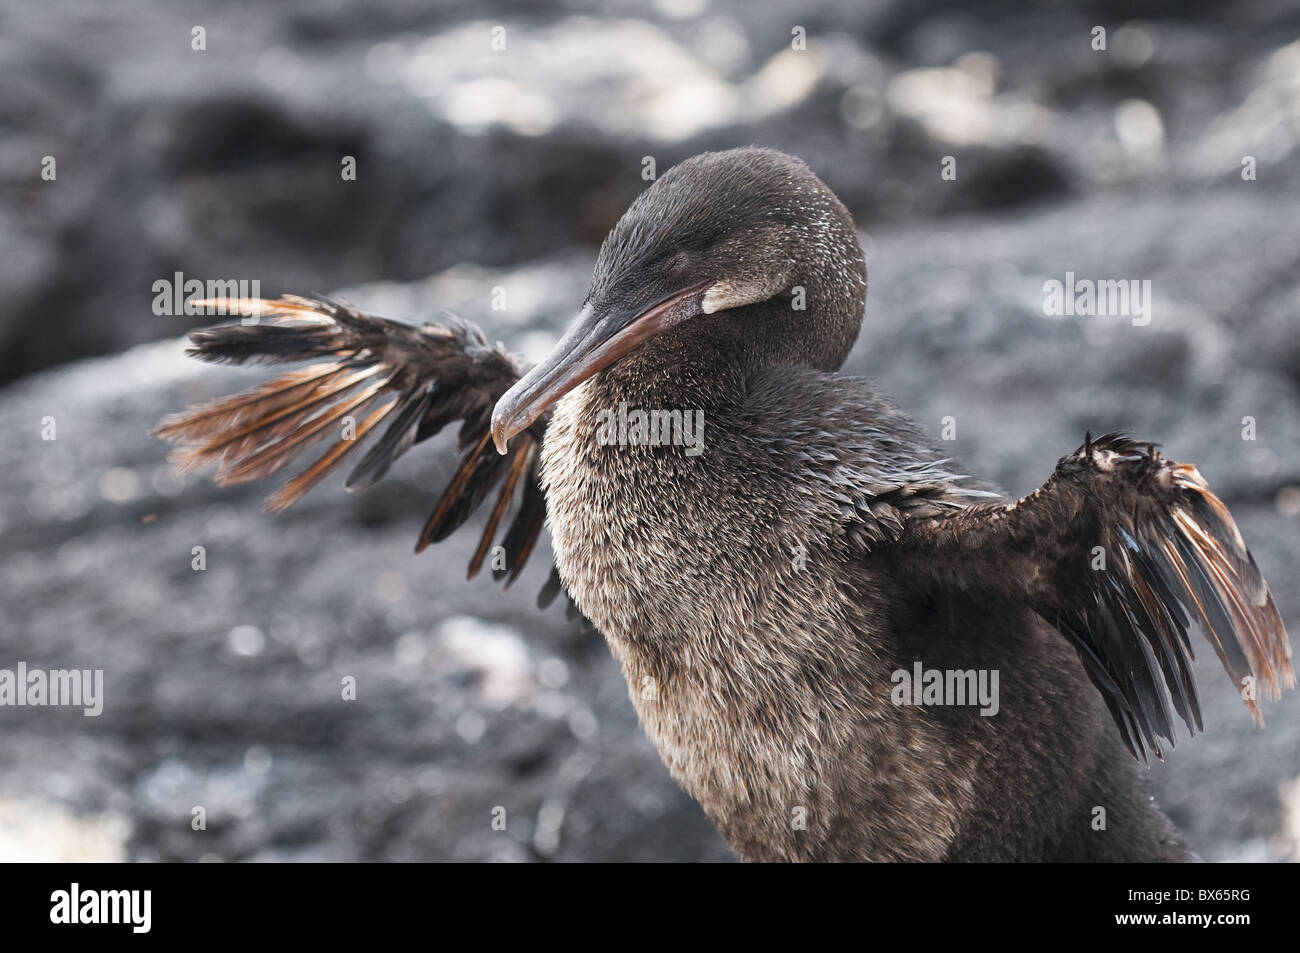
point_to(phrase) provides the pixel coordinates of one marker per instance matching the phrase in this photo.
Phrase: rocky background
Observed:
(477, 169)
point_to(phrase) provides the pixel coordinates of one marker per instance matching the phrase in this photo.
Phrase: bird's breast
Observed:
(726, 606)
(653, 541)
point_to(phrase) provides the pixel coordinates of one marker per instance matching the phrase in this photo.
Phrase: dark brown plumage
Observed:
(763, 596)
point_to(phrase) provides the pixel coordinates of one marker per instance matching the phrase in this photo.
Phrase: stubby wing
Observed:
(1120, 550)
(367, 377)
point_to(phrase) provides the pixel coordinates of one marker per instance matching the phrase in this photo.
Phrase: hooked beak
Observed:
(594, 341)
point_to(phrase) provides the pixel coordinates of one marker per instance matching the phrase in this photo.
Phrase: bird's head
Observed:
(750, 233)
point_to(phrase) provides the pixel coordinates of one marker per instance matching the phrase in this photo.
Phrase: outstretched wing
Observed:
(1119, 550)
(367, 372)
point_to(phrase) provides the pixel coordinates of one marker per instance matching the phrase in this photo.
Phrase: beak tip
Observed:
(499, 429)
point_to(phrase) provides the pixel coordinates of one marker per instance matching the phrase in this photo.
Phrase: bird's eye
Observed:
(677, 264)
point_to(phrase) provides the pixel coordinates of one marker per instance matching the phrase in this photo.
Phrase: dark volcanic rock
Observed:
(225, 163)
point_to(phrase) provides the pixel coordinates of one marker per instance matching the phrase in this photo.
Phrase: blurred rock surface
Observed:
(225, 163)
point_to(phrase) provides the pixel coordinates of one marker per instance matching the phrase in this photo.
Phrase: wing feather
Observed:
(1172, 557)
(375, 371)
